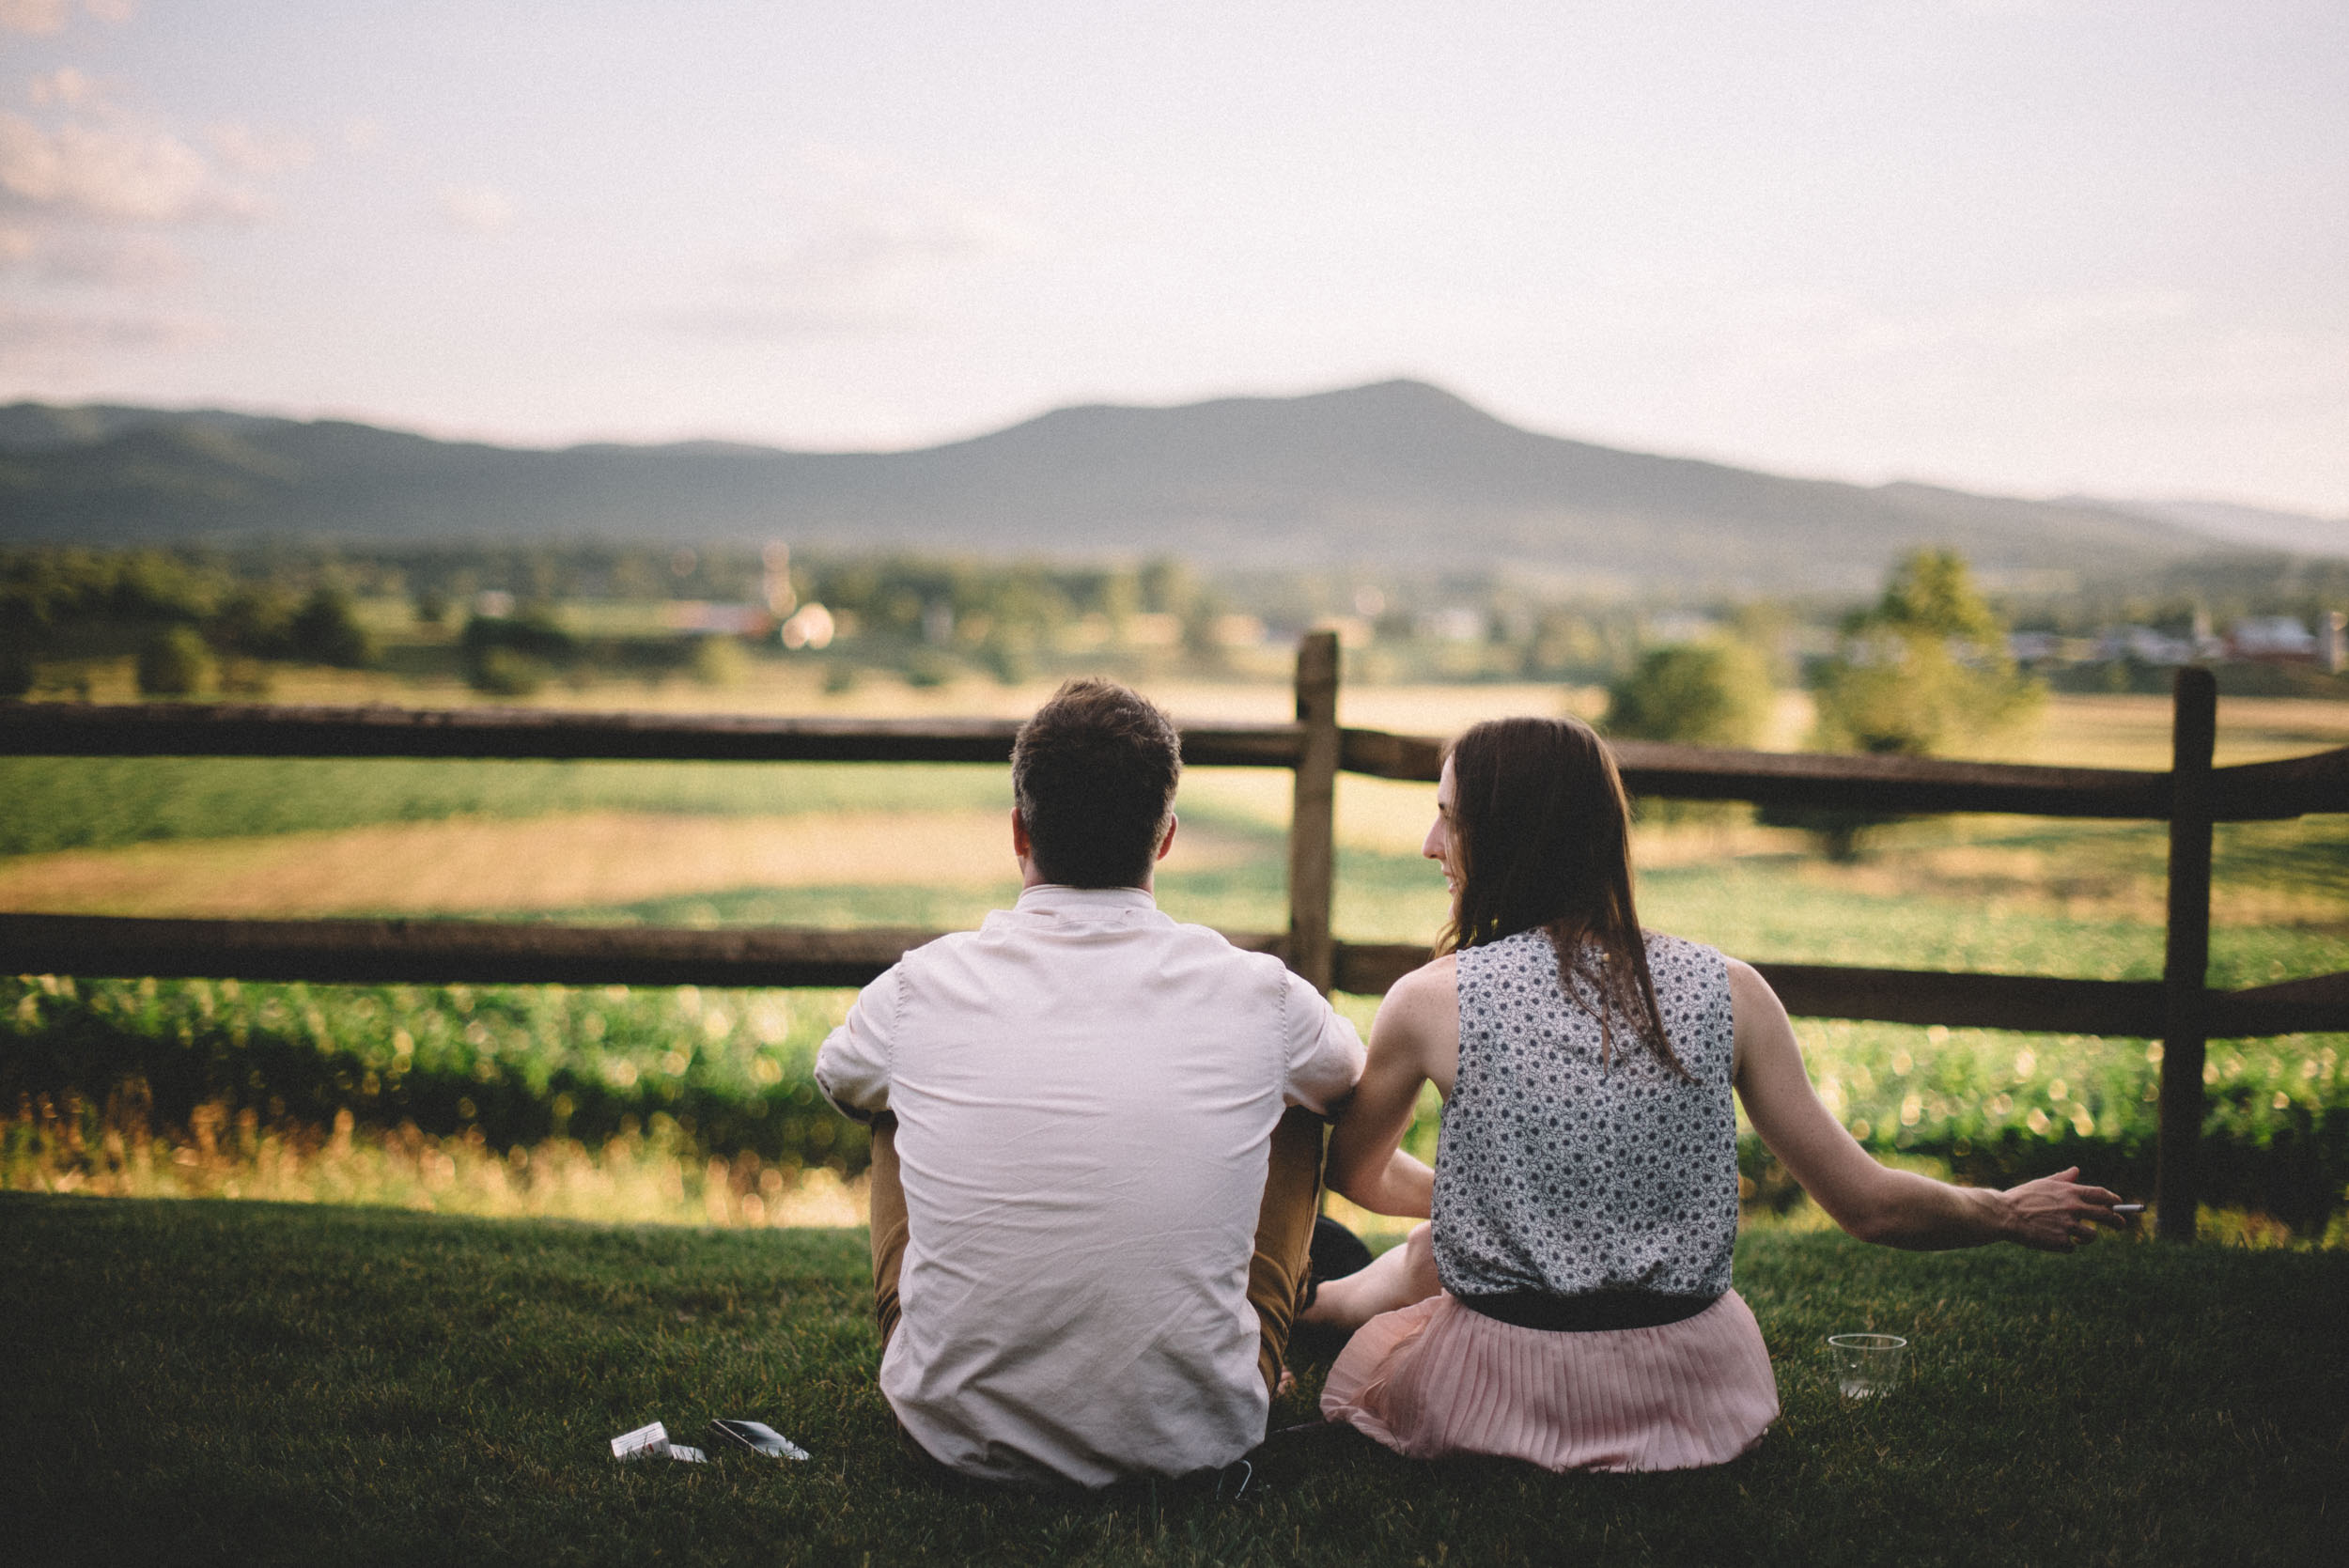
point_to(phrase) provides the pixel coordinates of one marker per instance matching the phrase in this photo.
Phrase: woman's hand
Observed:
(2056, 1214)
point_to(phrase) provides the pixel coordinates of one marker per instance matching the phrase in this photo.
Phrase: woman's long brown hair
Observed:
(1542, 832)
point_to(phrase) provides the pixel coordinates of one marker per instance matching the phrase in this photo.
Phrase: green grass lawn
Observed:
(1758, 908)
(49, 803)
(518, 1065)
(199, 1382)
(523, 1063)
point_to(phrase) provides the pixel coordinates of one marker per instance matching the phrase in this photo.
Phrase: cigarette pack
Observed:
(645, 1442)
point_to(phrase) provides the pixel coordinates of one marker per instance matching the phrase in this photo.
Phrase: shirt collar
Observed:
(1066, 902)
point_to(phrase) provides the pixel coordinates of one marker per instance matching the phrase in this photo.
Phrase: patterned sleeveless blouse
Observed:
(1556, 1174)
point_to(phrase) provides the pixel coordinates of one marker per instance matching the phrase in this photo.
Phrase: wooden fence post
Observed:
(2185, 964)
(1313, 817)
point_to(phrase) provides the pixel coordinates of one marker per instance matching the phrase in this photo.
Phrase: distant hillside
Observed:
(1398, 473)
(2253, 527)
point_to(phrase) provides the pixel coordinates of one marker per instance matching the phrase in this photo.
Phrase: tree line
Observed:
(186, 619)
(1924, 667)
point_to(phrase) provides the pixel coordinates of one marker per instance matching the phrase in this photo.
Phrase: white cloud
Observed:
(755, 321)
(82, 200)
(116, 172)
(863, 262)
(47, 18)
(862, 247)
(1839, 327)
(862, 250)
(475, 209)
(41, 18)
(257, 152)
(101, 258)
(67, 85)
(1827, 331)
(52, 338)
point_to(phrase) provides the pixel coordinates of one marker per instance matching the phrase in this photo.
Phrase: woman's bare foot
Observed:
(1395, 1278)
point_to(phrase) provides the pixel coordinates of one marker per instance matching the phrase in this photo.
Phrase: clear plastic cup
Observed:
(1867, 1366)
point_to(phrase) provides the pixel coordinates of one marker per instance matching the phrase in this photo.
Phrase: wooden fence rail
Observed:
(240, 729)
(2250, 792)
(471, 951)
(2179, 1008)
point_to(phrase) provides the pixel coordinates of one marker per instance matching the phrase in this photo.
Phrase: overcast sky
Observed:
(2034, 247)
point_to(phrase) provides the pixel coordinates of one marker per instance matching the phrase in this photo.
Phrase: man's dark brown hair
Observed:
(1092, 775)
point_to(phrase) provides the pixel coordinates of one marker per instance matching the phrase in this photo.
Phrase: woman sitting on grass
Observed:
(1570, 1304)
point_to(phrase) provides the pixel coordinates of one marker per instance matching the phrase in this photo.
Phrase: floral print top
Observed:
(1555, 1173)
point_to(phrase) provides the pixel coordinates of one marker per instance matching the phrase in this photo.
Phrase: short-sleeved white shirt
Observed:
(1086, 1092)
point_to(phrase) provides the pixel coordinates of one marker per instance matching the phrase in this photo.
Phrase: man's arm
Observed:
(1323, 1055)
(854, 1064)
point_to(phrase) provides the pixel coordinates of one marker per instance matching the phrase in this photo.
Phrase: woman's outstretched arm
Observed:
(1415, 1037)
(1898, 1208)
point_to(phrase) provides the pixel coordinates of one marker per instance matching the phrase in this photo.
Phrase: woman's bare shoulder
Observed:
(1426, 997)
(1746, 988)
(1438, 977)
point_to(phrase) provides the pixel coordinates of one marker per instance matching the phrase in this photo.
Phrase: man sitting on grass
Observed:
(1096, 1139)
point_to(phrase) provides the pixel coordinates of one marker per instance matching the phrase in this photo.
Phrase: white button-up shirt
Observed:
(1085, 1094)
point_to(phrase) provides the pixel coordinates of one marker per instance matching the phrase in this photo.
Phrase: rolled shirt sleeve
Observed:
(852, 1066)
(1324, 1056)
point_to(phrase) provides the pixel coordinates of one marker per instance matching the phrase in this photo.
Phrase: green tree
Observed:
(1008, 653)
(513, 658)
(175, 662)
(255, 621)
(1710, 693)
(1166, 586)
(1925, 668)
(23, 619)
(18, 669)
(327, 631)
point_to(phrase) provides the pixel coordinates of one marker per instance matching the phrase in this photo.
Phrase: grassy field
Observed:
(697, 1104)
(275, 1382)
(713, 844)
(97, 802)
(565, 1073)
(226, 1381)
(50, 803)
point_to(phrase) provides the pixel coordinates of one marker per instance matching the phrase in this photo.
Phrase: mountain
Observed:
(1400, 472)
(2252, 527)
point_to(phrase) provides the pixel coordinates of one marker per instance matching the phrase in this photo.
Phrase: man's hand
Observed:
(2056, 1214)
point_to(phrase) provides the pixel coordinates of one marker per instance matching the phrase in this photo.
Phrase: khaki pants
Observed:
(1276, 1275)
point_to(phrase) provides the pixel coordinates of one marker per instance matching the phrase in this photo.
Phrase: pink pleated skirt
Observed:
(1438, 1379)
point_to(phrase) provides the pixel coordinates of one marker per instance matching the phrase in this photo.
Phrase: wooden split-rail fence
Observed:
(2180, 1009)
